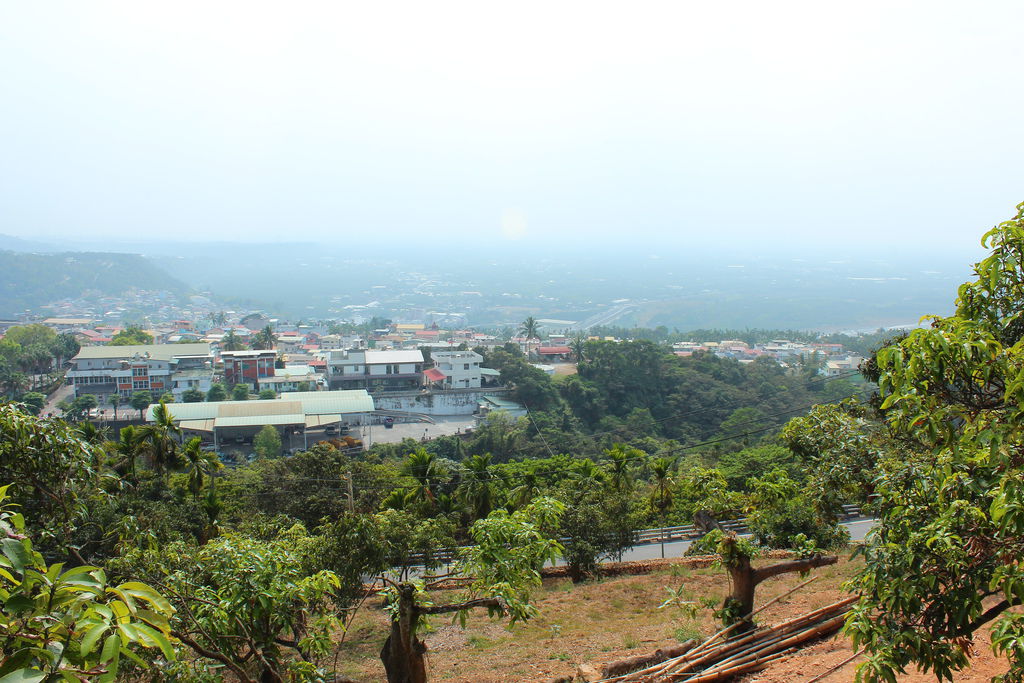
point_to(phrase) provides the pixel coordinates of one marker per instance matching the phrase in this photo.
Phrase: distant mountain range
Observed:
(29, 279)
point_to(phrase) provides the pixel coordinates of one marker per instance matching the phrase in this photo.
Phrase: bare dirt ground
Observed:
(820, 657)
(610, 619)
(564, 369)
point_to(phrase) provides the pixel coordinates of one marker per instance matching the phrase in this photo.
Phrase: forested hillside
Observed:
(640, 438)
(28, 281)
(181, 563)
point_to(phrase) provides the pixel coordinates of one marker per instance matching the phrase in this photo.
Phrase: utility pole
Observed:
(351, 495)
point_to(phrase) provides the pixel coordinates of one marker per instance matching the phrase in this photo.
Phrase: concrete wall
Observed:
(451, 402)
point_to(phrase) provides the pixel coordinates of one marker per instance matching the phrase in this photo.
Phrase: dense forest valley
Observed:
(143, 557)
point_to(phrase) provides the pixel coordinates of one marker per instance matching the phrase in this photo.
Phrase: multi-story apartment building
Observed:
(371, 370)
(461, 369)
(248, 367)
(157, 368)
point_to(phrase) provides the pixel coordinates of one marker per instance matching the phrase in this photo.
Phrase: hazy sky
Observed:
(723, 122)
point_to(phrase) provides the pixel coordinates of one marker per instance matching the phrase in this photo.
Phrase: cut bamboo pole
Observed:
(697, 650)
(749, 668)
(711, 656)
(772, 647)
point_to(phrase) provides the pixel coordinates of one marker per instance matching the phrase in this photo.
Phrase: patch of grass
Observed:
(630, 642)
(560, 656)
(617, 603)
(685, 633)
(478, 641)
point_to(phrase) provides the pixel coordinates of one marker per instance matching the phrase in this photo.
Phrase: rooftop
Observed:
(153, 351)
(376, 357)
(297, 403)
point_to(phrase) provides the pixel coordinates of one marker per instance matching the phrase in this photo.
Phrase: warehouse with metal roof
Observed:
(295, 413)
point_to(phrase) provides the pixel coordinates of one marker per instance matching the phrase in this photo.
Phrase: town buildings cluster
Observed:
(193, 354)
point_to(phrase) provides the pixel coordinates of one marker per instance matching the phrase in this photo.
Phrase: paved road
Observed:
(858, 530)
(66, 391)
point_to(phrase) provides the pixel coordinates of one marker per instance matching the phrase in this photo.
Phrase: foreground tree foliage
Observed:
(945, 561)
(60, 624)
(58, 475)
(245, 605)
(506, 559)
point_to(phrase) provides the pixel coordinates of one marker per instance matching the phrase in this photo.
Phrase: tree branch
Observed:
(985, 617)
(211, 654)
(458, 607)
(763, 573)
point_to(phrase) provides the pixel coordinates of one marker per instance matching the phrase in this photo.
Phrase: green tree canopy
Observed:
(217, 392)
(34, 402)
(267, 443)
(193, 395)
(133, 335)
(945, 560)
(140, 400)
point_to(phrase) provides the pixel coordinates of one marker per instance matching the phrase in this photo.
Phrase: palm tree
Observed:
(528, 489)
(619, 471)
(661, 496)
(231, 342)
(90, 433)
(476, 491)
(264, 339)
(130, 446)
(114, 400)
(161, 446)
(586, 470)
(12, 381)
(199, 464)
(421, 466)
(530, 330)
(578, 346)
(212, 506)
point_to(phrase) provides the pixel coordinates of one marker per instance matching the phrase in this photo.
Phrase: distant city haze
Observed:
(877, 127)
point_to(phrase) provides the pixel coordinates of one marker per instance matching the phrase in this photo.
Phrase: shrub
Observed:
(779, 526)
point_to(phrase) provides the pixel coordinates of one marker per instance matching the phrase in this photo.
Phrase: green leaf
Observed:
(19, 604)
(23, 675)
(111, 646)
(91, 637)
(158, 639)
(17, 553)
(144, 592)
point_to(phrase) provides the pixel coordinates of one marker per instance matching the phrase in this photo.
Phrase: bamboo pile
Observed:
(720, 657)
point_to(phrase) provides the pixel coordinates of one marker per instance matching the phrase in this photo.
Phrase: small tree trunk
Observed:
(745, 578)
(741, 601)
(402, 653)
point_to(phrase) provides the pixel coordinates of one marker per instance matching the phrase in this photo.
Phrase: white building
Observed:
(157, 368)
(372, 370)
(291, 378)
(843, 366)
(335, 342)
(461, 369)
